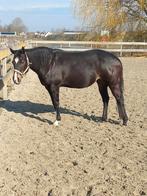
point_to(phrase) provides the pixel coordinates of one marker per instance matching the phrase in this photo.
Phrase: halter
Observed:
(28, 63)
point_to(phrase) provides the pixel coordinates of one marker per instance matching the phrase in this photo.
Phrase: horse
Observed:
(74, 69)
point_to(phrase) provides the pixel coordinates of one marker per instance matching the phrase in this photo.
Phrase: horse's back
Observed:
(89, 56)
(89, 60)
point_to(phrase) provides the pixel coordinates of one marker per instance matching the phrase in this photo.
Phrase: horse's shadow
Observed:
(30, 109)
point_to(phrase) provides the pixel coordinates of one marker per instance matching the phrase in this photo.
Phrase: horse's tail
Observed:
(122, 84)
(122, 80)
(120, 75)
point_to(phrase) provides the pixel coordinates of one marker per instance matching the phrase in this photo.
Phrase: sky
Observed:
(39, 15)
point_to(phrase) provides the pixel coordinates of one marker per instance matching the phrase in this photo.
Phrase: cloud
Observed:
(29, 5)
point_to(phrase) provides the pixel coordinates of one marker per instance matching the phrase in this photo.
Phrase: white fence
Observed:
(119, 47)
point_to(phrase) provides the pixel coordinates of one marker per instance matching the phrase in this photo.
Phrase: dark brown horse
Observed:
(57, 68)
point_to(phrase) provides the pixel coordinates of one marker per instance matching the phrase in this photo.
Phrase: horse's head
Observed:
(21, 64)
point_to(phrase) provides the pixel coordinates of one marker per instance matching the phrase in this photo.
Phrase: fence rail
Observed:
(120, 47)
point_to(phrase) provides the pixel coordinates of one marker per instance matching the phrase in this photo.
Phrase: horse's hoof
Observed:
(125, 123)
(104, 119)
(56, 123)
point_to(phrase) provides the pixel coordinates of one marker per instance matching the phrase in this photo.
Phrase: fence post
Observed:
(121, 49)
(4, 72)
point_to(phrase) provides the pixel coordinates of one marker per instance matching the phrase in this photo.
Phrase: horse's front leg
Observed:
(105, 97)
(54, 93)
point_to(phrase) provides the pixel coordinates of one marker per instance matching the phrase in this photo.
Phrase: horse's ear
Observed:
(12, 51)
(23, 50)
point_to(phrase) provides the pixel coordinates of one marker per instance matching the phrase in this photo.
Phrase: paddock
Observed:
(83, 156)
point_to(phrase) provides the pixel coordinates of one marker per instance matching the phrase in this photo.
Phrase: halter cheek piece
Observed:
(28, 63)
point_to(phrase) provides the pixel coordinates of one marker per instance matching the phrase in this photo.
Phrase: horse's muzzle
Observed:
(17, 78)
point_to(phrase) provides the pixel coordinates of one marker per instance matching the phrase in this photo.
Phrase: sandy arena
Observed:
(83, 156)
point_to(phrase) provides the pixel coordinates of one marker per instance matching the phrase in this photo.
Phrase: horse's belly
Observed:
(80, 81)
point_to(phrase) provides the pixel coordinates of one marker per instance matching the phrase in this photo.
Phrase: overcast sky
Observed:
(39, 14)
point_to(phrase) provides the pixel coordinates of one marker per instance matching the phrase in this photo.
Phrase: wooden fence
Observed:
(116, 47)
(6, 68)
(5, 76)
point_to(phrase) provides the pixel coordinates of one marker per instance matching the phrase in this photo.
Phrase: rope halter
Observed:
(27, 68)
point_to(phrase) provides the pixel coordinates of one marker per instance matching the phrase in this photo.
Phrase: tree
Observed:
(136, 9)
(111, 14)
(17, 25)
(136, 12)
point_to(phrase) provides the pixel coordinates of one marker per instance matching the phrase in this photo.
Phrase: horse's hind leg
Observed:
(103, 88)
(118, 94)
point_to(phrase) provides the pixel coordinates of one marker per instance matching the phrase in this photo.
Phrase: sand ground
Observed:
(83, 156)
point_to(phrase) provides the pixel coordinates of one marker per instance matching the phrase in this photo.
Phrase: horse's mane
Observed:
(41, 55)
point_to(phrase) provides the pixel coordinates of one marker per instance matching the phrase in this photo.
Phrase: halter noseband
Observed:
(28, 63)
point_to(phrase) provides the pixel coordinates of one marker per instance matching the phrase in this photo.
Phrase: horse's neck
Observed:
(37, 63)
(34, 65)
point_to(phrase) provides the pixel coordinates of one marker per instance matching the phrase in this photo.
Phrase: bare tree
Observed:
(110, 14)
(17, 25)
(136, 12)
